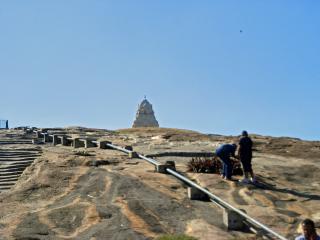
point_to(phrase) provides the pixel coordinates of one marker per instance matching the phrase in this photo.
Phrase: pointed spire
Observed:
(145, 115)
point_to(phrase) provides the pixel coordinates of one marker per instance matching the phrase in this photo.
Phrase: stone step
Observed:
(3, 184)
(4, 164)
(14, 169)
(8, 173)
(9, 143)
(20, 150)
(16, 159)
(18, 156)
(4, 189)
(8, 180)
(16, 163)
(13, 166)
(22, 163)
(6, 153)
(17, 152)
(10, 176)
(14, 141)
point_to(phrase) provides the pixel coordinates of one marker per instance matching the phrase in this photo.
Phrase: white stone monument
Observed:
(145, 115)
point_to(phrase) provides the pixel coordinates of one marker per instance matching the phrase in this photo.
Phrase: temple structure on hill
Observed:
(145, 116)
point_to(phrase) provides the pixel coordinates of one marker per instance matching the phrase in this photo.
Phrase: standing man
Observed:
(224, 152)
(245, 156)
(309, 231)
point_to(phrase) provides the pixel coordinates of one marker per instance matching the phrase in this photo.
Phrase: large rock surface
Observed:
(62, 195)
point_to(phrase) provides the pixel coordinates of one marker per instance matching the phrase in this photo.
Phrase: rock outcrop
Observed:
(145, 116)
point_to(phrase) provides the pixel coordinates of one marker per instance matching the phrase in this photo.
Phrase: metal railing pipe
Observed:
(118, 148)
(225, 204)
(150, 160)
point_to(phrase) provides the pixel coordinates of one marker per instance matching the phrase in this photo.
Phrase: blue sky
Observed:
(211, 66)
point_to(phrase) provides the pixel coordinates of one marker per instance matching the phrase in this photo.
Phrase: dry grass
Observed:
(176, 237)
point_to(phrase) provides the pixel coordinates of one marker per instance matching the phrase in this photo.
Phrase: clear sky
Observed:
(211, 66)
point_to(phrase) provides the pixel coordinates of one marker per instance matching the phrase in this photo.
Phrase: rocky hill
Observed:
(67, 193)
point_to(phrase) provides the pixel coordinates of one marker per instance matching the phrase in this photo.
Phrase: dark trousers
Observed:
(226, 167)
(246, 163)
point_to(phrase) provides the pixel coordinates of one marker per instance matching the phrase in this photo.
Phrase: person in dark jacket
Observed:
(224, 152)
(309, 231)
(245, 157)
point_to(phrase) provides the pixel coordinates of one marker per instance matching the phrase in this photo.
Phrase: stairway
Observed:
(12, 164)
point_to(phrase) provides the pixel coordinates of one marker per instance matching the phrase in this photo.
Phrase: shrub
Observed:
(211, 165)
(205, 165)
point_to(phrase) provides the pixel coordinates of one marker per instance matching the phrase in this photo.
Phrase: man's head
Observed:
(244, 133)
(308, 227)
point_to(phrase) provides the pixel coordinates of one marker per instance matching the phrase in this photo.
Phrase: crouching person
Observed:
(224, 152)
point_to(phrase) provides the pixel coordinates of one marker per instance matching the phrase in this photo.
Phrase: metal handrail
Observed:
(118, 148)
(225, 204)
(213, 197)
(150, 160)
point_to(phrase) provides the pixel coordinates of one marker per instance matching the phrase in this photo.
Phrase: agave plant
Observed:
(211, 165)
(204, 164)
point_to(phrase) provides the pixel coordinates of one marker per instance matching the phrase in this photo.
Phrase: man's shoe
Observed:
(253, 180)
(244, 180)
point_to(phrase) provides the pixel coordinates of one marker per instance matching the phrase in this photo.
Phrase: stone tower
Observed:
(145, 116)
